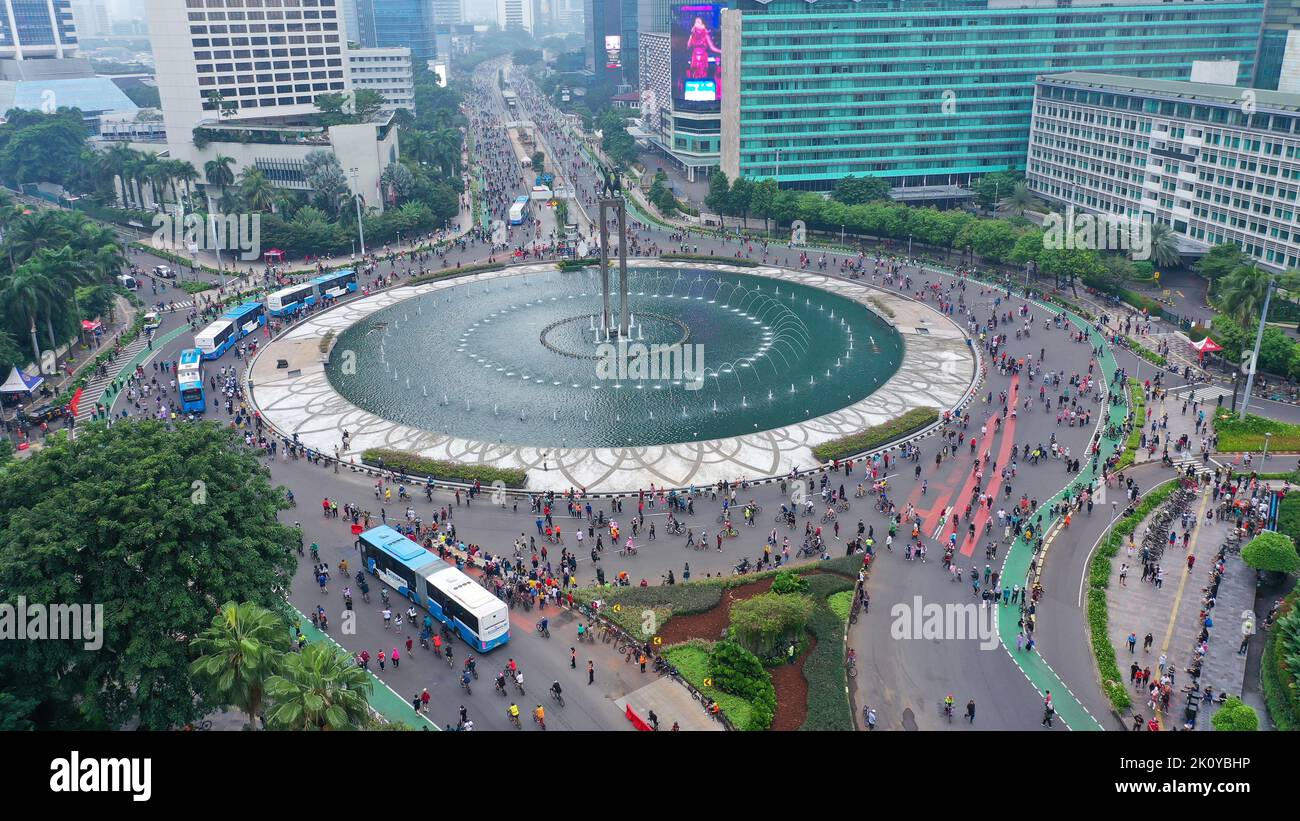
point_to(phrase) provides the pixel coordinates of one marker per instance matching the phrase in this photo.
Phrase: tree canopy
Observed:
(1273, 551)
(161, 546)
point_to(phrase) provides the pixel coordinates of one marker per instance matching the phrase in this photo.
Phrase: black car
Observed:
(47, 412)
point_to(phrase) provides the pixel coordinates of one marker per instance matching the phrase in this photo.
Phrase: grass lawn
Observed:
(1236, 436)
(692, 661)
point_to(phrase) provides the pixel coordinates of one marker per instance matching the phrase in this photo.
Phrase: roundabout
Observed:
(724, 372)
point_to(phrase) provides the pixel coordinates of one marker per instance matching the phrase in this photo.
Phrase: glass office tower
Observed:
(931, 92)
(409, 23)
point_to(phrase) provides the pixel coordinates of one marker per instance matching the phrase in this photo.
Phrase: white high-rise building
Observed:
(515, 14)
(240, 78)
(387, 71)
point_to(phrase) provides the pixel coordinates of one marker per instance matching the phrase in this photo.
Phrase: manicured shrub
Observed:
(414, 465)
(737, 671)
(1235, 717)
(877, 436)
(1271, 551)
(788, 581)
(765, 625)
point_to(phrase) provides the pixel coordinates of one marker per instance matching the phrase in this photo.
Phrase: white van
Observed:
(151, 320)
(128, 282)
(163, 272)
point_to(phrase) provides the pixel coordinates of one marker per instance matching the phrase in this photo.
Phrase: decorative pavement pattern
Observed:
(938, 370)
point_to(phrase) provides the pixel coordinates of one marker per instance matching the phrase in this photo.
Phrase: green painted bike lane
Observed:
(1035, 668)
(383, 699)
(109, 396)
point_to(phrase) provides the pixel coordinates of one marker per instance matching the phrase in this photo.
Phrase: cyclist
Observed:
(519, 679)
(315, 552)
(947, 705)
(511, 666)
(501, 682)
(471, 665)
(539, 715)
(464, 679)
(513, 712)
(582, 631)
(555, 689)
(544, 627)
(448, 651)
(437, 645)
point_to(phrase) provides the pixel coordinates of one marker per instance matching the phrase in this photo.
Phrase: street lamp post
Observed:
(1111, 528)
(1267, 437)
(356, 197)
(909, 246)
(1254, 357)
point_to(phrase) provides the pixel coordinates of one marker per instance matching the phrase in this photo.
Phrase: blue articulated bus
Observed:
(291, 300)
(247, 318)
(450, 596)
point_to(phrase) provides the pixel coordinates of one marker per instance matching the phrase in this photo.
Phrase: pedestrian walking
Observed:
(1146, 643)
(1132, 642)
(1048, 710)
(591, 672)
(573, 659)
(424, 700)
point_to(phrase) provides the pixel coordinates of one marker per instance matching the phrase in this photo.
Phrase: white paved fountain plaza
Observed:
(938, 369)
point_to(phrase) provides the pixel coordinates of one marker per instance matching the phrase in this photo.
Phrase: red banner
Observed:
(76, 400)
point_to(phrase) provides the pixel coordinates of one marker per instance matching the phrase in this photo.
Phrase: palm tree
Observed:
(217, 172)
(417, 146)
(1021, 200)
(447, 143)
(117, 160)
(1242, 294)
(26, 293)
(184, 171)
(319, 689)
(242, 649)
(62, 271)
(257, 190)
(1164, 246)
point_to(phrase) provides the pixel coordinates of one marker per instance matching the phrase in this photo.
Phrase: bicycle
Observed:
(946, 709)
(843, 506)
(514, 719)
(828, 516)
(465, 686)
(557, 698)
(851, 667)
(545, 630)
(731, 532)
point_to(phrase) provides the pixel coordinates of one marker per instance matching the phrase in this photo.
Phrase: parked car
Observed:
(37, 414)
(164, 271)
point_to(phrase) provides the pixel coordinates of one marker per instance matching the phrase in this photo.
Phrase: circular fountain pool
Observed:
(524, 360)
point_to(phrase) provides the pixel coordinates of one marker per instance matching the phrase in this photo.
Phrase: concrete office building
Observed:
(602, 19)
(240, 78)
(1188, 154)
(515, 14)
(37, 29)
(387, 71)
(936, 92)
(403, 23)
(447, 12)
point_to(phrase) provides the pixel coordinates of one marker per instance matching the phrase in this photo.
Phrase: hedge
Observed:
(1138, 403)
(743, 263)
(1147, 354)
(451, 272)
(190, 286)
(828, 700)
(578, 264)
(1281, 690)
(874, 437)
(414, 465)
(881, 306)
(1099, 572)
(1236, 436)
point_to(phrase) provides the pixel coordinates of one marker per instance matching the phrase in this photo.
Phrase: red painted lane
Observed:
(1005, 450)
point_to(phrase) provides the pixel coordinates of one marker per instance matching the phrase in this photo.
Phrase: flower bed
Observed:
(414, 465)
(743, 263)
(874, 437)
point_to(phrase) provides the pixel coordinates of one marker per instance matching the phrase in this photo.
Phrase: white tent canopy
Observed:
(19, 382)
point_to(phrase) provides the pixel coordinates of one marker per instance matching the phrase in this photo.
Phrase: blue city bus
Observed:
(330, 286)
(247, 318)
(518, 210)
(189, 380)
(450, 596)
(291, 300)
(216, 339)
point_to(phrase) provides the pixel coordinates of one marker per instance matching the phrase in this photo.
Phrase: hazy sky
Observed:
(481, 9)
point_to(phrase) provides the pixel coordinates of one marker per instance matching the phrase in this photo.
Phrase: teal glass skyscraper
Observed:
(931, 92)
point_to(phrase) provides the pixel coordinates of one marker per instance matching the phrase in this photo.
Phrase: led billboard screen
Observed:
(697, 56)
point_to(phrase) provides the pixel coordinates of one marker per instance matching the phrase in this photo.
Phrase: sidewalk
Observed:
(1171, 611)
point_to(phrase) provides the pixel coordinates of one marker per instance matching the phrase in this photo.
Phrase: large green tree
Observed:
(854, 190)
(160, 527)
